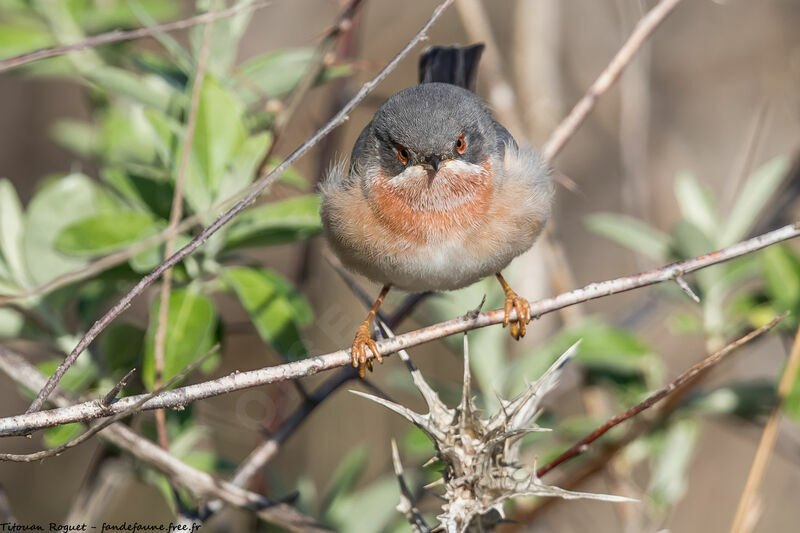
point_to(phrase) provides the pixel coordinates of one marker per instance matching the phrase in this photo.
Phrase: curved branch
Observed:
(26, 423)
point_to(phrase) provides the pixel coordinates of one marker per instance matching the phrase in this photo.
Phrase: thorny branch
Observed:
(582, 445)
(129, 35)
(255, 191)
(26, 423)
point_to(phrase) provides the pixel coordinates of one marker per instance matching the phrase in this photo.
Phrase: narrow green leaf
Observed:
(103, 233)
(753, 198)
(12, 230)
(781, 270)
(76, 136)
(56, 436)
(696, 204)
(668, 480)
(191, 331)
(276, 309)
(791, 404)
(346, 476)
(631, 233)
(276, 223)
(277, 73)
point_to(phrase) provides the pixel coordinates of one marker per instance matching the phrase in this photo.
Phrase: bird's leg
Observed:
(523, 308)
(363, 340)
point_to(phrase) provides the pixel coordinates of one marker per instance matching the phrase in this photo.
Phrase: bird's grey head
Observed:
(427, 125)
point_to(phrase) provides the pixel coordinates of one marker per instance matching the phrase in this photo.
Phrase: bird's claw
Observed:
(362, 346)
(523, 309)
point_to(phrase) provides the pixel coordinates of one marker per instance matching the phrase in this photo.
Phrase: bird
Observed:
(436, 195)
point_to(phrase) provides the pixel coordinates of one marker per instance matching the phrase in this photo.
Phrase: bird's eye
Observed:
(402, 153)
(461, 144)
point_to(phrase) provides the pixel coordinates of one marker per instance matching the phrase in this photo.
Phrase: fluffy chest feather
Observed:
(423, 208)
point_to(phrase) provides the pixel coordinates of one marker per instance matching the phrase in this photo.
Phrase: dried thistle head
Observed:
(481, 455)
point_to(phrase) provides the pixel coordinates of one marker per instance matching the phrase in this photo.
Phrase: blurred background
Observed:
(692, 150)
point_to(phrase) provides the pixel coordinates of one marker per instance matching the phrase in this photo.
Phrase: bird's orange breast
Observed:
(424, 210)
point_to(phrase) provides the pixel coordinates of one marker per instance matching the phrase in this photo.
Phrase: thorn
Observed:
(434, 484)
(109, 397)
(687, 289)
(473, 314)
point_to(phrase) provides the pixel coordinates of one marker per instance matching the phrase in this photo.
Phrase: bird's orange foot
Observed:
(362, 345)
(523, 308)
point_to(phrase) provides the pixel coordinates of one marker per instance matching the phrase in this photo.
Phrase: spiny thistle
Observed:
(480, 455)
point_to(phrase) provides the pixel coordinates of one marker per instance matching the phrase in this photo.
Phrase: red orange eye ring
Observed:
(402, 154)
(461, 144)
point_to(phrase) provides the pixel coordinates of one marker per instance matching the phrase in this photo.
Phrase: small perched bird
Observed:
(437, 194)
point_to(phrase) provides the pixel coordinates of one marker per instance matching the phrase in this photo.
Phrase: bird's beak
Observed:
(436, 161)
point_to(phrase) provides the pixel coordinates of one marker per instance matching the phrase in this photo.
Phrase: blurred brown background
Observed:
(690, 101)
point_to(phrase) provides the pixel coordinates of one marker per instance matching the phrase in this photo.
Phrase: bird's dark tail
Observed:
(457, 65)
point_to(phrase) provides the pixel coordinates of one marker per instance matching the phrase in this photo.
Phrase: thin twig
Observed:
(645, 27)
(121, 384)
(201, 484)
(743, 520)
(24, 424)
(254, 192)
(116, 36)
(175, 215)
(97, 428)
(582, 445)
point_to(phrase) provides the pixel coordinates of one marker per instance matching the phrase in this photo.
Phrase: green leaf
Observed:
(11, 322)
(121, 346)
(753, 198)
(77, 377)
(56, 436)
(781, 270)
(291, 176)
(57, 205)
(76, 136)
(276, 223)
(791, 404)
(346, 476)
(602, 347)
(12, 230)
(668, 480)
(631, 233)
(277, 73)
(244, 164)
(144, 192)
(366, 510)
(696, 204)
(23, 36)
(747, 399)
(225, 36)
(103, 233)
(191, 331)
(219, 130)
(276, 309)
(148, 90)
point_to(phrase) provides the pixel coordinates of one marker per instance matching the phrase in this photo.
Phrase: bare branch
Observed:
(129, 35)
(255, 191)
(582, 445)
(200, 484)
(742, 522)
(97, 428)
(608, 77)
(26, 423)
(175, 215)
